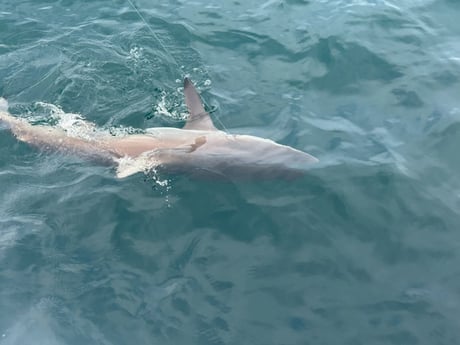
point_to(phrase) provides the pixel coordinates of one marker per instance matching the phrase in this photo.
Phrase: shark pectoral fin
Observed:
(199, 119)
(128, 166)
(125, 171)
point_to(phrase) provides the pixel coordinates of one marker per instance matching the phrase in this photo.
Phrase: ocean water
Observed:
(365, 249)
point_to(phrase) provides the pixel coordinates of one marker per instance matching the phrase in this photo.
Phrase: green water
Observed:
(363, 250)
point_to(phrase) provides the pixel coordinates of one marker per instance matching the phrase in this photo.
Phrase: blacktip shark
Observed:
(198, 149)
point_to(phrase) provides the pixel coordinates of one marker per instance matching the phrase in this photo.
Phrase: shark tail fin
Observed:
(6, 120)
(3, 104)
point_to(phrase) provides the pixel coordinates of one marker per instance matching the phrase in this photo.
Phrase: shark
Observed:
(198, 149)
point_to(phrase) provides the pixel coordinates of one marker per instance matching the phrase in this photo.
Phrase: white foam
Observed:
(73, 124)
(162, 109)
(135, 53)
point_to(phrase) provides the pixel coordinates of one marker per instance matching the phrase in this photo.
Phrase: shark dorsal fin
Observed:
(199, 119)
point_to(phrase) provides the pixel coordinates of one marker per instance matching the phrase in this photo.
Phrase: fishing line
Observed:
(153, 32)
(164, 48)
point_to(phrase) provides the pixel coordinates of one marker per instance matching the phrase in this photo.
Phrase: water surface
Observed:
(363, 250)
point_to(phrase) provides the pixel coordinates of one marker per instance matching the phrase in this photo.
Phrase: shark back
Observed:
(222, 156)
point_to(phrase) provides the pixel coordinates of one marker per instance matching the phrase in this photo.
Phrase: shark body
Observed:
(198, 149)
